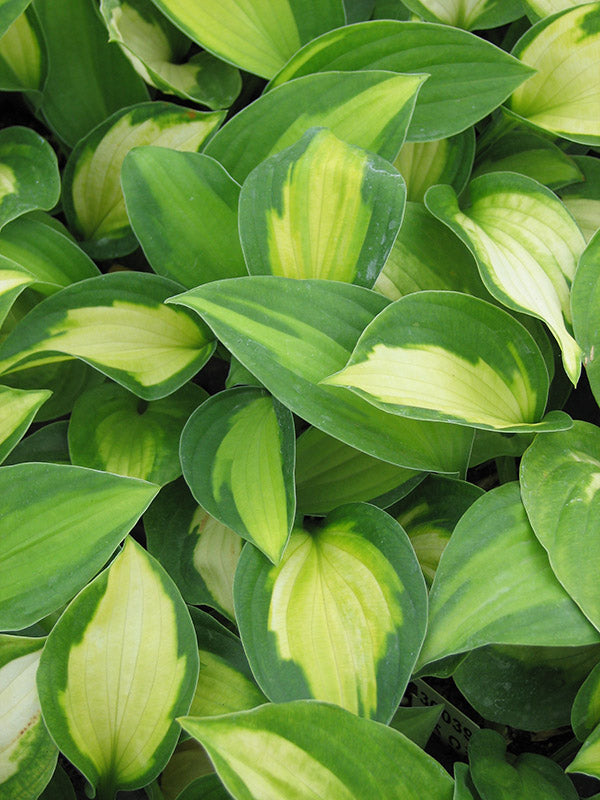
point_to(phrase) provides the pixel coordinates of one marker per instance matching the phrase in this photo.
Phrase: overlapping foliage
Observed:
(300, 302)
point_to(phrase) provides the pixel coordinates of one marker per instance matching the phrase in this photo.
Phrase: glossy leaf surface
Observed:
(352, 585)
(450, 100)
(494, 585)
(118, 324)
(283, 332)
(237, 454)
(114, 716)
(321, 750)
(61, 536)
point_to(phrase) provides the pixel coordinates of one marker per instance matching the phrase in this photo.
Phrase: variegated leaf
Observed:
(425, 164)
(450, 357)
(583, 199)
(283, 331)
(531, 154)
(118, 324)
(117, 668)
(330, 473)
(255, 35)
(23, 60)
(9, 11)
(225, 682)
(526, 245)
(27, 753)
(468, 14)
(427, 255)
(200, 553)
(430, 513)
(54, 540)
(538, 9)
(158, 53)
(113, 430)
(351, 586)
(560, 485)
(563, 97)
(237, 455)
(181, 204)
(370, 109)
(494, 585)
(92, 196)
(29, 176)
(17, 410)
(585, 302)
(321, 209)
(585, 714)
(450, 100)
(317, 750)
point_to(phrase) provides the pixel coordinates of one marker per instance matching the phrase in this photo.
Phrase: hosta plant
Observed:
(299, 399)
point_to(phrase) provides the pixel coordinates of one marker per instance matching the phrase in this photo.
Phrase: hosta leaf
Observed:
(430, 513)
(48, 444)
(530, 688)
(318, 751)
(112, 430)
(23, 54)
(158, 51)
(450, 100)
(255, 35)
(587, 759)
(560, 485)
(424, 164)
(207, 787)
(45, 252)
(351, 586)
(59, 788)
(92, 195)
(539, 9)
(494, 585)
(118, 666)
(469, 14)
(529, 778)
(27, 753)
(237, 454)
(563, 97)
(416, 723)
(65, 379)
(490, 444)
(450, 357)
(463, 785)
(321, 209)
(526, 245)
(33, 254)
(29, 176)
(585, 301)
(583, 199)
(530, 154)
(370, 109)
(76, 100)
(188, 763)
(17, 410)
(283, 331)
(225, 682)
(329, 473)
(9, 11)
(200, 553)
(585, 715)
(426, 255)
(119, 325)
(181, 204)
(59, 537)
